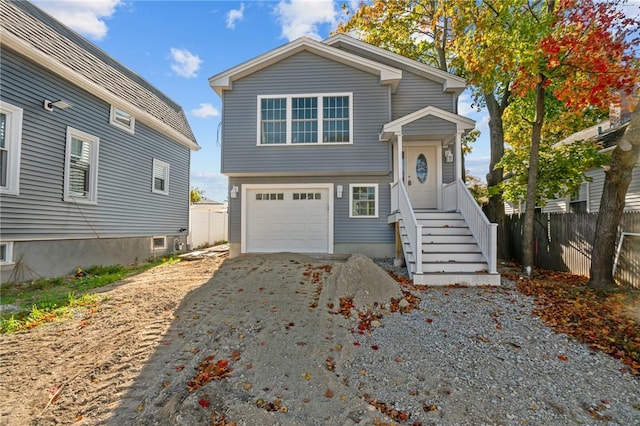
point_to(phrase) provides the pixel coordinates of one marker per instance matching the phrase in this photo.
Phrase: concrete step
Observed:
(442, 279)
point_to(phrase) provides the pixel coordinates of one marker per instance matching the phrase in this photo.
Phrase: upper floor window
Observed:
(305, 119)
(122, 119)
(160, 183)
(81, 167)
(10, 141)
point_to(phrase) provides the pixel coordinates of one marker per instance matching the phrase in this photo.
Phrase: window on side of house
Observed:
(305, 119)
(158, 243)
(122, 119)
(10, 141)
(363, 200)
(6, 253)
(160, 183)
(81, 167)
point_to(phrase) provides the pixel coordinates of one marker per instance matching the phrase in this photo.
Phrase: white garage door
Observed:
(287, 219)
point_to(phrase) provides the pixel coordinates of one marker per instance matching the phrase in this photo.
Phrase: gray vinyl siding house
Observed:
(320, 141)
(89, 187)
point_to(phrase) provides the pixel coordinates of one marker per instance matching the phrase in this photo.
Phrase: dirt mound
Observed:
(364, 281)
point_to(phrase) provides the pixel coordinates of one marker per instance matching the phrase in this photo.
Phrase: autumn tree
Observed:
(579, 52)
(617, 179)
(195, 195)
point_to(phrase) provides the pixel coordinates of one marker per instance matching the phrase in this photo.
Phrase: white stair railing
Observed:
(485, 232)
(414, 230)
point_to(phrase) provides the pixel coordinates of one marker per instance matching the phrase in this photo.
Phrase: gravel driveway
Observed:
(265, 340)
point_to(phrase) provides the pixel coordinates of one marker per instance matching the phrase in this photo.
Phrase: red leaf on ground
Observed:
(563, 358)
(375, 347)
(204, 403)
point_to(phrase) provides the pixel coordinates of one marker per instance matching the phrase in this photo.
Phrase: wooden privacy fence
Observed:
(564, 242)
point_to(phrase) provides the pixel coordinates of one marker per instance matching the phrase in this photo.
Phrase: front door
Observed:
(421, 176)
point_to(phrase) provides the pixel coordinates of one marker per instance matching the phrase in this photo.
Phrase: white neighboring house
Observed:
(208, 223)
(588, 198)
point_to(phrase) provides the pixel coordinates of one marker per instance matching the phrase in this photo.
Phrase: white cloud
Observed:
(185, 63)
(235, 15)
(205, 110)
(465, 105)
(302, 17)
(84, 17)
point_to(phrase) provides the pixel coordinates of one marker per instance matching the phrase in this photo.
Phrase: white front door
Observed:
(421, 176)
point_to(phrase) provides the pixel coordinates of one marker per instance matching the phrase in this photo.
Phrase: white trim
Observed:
(165, 167)
(26, 49)
(224, 80)
(164, 242)
(289, 120)
(8, 253)
(114, 121)
(243, 210)
(450, 82)
(462, 123)
(13, 141)
(376, 200)
(94, 143)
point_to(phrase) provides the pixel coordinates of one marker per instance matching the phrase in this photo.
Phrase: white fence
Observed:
(208, 227)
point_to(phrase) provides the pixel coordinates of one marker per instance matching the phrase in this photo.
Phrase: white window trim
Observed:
(289, 98)
(112, 120)
(93, 172)
(164, 245)
(376, 199)
(14, 142)
(8, 253)
(165, 166)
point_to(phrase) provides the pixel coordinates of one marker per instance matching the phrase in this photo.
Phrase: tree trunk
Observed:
(495, 207)
(528, 231)
(616, 183)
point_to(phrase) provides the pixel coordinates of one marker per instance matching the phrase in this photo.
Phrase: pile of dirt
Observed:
(362, 280)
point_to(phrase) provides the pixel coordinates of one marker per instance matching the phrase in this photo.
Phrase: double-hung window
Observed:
(160, 183)
(363, 199)
(81, 167)
(305, 119)
(10, 141)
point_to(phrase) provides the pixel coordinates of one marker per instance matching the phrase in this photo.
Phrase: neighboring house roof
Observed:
(41, 38)
(602, 133)
(208, 201)
(224, 80)
(451, 82)
(463, 124)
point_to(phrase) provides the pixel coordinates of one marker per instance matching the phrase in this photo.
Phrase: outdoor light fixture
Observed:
(339, 191)
(60, 104)
(448, 155)
(234, 191)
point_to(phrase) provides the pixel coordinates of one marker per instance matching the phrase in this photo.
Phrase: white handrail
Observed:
(414, 230)
(485, 232)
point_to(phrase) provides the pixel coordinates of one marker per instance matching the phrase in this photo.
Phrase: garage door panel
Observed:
(291, 219)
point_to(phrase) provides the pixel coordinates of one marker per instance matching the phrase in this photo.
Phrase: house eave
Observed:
(451, 83)
(9, 40)
(224, 81)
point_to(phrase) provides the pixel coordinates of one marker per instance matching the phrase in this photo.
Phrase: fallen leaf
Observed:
(398, 359)
(563, 358)
(204, 403)
(247, 386)
(329, 393)
(375, 347)
(166, 383)
(235, 356)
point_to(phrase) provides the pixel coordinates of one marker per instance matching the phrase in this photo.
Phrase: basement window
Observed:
(158, 243)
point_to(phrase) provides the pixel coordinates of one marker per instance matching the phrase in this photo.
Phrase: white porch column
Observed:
(458, 155)
(397, 173)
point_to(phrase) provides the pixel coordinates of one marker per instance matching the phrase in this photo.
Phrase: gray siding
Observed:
(305, 73)
(448, 172)
(346, 230)
(632, 200)
(414, 92)
(429, 125)
(126, 206)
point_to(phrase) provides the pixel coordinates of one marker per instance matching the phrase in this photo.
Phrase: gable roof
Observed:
(38, 36)
(462, 123)
(224, 80)
(451, 82)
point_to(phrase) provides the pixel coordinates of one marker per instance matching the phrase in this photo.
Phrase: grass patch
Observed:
(49, 299)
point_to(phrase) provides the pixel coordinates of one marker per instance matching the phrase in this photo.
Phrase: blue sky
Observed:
(177, 45)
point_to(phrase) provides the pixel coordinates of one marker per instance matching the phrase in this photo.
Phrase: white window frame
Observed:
(164, 243)
(94, 142)
(13, 142)
(113, 120)
(8, 260)
(376, 199)
(165, 167)
(289, 118)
